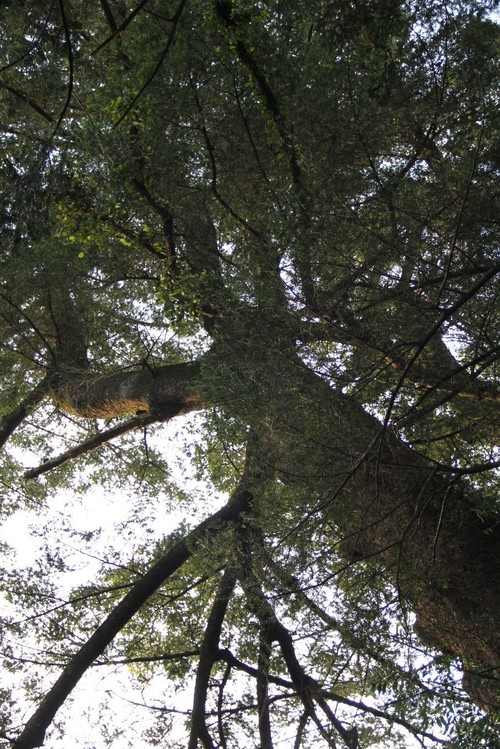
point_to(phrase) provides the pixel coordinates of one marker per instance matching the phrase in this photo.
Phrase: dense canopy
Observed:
(249, 316)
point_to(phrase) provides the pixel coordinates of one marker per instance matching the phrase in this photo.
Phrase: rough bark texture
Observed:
(166, 392)
(444, 560)
(390, 504)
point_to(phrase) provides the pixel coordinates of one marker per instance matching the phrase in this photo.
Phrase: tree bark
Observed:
(15, 418)
(386, 502)
(165, 392)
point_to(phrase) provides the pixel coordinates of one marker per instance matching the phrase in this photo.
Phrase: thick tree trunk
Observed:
(443, 558)
(388, 503)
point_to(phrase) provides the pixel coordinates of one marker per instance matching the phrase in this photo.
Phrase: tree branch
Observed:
(164, 393)
(10, 422)
(69, 48)
(29, 100)
(91, 444)
(307, 688)
(263, 664)
(33, 734)
(208, 656)
(121, 27)
(434, 329)
(175, 20)
(228, 657)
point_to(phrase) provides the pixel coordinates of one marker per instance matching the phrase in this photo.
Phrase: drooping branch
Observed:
(101, 438)
(33, 734)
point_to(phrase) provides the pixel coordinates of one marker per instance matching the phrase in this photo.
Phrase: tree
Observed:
(282, 217)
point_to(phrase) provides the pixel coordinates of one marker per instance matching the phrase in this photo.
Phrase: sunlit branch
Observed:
(165, 392)
(138, 237)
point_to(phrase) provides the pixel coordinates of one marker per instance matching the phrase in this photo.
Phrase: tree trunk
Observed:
(388, 502)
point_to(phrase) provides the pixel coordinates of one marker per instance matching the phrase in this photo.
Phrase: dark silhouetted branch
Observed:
(208, 655)
(16, 417)
(91, 444)
(33, 734)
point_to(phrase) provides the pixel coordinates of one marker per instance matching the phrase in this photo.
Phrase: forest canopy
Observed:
(249, 323)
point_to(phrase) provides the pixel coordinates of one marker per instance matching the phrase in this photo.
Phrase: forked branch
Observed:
(208, 656)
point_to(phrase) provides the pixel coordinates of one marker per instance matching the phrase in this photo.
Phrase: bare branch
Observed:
(208, 655)
(94, 442)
